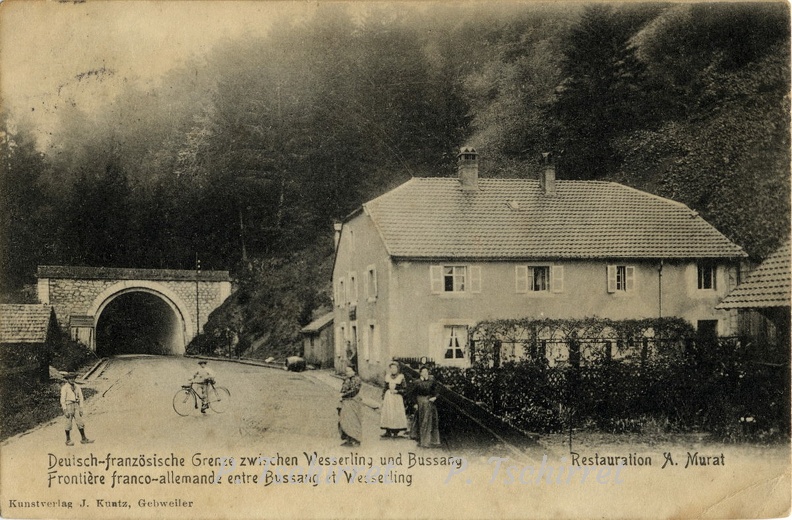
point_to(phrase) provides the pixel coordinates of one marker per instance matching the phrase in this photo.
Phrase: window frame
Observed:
(342, 295)
(712, 267)
(471, 283)
(372, 332)
(458, 276)
(446, 347)
(352, 289)
(627, 281)
(341, 339)
(372, 290)
(525, 276)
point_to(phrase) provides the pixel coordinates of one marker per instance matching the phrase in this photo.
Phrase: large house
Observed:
(419, 265)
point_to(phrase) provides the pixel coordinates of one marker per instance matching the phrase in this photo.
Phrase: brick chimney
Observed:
(547, 179)
(467, 168)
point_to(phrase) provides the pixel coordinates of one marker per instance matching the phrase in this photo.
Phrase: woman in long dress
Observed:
(392, 418)
(349, 411)
(426, 427)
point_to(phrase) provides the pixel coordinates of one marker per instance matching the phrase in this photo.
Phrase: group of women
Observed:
(420, 395)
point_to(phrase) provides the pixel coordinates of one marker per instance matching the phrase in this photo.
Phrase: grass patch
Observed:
(26, 404)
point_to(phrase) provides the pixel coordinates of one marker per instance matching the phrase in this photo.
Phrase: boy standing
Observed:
(71, 400)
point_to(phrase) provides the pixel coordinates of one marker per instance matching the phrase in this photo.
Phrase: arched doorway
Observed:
(139, 321)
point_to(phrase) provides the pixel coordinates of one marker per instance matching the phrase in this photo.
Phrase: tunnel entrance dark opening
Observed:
(139, 323)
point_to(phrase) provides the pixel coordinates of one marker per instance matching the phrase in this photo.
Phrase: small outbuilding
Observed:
(28, 336)
(318, 341)
(763, 304)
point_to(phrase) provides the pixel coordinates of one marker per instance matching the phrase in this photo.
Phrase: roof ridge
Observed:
(430, 216)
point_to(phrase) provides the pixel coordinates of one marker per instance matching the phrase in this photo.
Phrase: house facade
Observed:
(418, 266)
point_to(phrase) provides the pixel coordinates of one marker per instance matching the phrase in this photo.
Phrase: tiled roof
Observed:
(513, 218)
(24, 323)
(767, 286)
(318, 324)
(115, 273)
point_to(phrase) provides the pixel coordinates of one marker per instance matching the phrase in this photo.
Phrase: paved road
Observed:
(270, 410)
(274, 412)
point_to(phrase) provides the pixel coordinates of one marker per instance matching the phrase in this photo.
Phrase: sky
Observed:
(57, 53)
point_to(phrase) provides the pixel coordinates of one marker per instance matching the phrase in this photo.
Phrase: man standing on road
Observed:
(203, 378)
(71, 400)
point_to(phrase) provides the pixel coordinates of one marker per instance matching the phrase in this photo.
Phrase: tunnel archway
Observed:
(139, 321)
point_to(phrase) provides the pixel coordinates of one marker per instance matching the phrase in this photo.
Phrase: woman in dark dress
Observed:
(425, 427)
(349, 411)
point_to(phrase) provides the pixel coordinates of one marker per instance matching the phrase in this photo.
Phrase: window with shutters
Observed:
(455, 338)
(351, 240)
(455, 279)
(371, 283)
(341, 297)
(621, 278)
(539, 278)
(373, 340)
(352, 295)
(340, 340)
(706, 275)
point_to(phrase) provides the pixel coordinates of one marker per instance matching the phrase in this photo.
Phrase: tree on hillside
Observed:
(603, 93)
(512, 92)
(728, 158)
(26, 230)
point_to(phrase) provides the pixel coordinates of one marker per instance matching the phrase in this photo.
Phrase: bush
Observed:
(661, 380)
(70, 355)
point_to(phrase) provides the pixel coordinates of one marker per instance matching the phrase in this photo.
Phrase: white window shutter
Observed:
(366, 347)
(464, 340)
(436, 278)
(353, 287)
(732, 281)
(611, 278)
(348, 285)
(365, 286)
(521, 278)
(630, 277)
(374, 281)
(557, 278)
(475, 279)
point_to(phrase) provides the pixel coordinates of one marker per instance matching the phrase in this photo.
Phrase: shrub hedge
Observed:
(618, 376)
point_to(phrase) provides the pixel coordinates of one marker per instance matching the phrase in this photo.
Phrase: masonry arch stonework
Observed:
(83, 296)
(173, 300)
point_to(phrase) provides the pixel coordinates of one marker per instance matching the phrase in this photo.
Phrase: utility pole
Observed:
(242, 235)
(197, 301)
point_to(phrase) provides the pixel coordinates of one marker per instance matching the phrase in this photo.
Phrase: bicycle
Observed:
(187, 399)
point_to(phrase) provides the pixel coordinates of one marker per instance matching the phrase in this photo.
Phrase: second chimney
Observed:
(547, 179)
(467, 168)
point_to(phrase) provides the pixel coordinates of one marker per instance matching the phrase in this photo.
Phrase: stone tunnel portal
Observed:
(139, 322)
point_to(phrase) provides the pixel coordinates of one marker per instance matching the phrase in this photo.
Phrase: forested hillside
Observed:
(246, 156)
